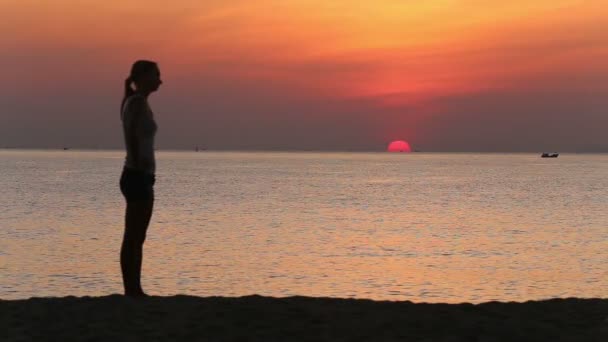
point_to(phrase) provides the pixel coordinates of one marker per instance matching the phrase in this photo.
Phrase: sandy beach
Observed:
(256, 318)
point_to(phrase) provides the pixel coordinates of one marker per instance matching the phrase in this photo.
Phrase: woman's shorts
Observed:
(137, 185)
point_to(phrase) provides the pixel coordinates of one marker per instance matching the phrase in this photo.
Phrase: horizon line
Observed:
(297, 150)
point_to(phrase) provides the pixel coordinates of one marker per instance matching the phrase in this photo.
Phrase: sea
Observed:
(421, 227)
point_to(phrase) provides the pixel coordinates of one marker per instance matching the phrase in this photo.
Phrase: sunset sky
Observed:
(444, 75)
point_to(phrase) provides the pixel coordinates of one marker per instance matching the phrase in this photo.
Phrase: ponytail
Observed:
(128, 92)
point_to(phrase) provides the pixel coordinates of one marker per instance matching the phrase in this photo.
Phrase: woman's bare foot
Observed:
(136, 294)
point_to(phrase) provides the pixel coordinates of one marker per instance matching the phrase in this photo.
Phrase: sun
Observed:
(399, 146)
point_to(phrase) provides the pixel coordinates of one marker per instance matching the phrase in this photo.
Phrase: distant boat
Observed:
(66, 148)
(549, 155)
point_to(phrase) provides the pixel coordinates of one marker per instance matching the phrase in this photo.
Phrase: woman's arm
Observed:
(136, 110)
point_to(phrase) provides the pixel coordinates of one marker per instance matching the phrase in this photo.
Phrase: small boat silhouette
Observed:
(549, 155)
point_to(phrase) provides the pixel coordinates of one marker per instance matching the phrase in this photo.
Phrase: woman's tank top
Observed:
(145, 130)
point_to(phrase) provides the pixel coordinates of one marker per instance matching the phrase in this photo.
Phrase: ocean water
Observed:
(420, 227)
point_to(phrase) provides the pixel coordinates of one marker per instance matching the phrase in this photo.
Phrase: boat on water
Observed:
(549, 155)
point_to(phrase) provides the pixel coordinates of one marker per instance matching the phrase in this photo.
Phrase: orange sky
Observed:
(402, 58)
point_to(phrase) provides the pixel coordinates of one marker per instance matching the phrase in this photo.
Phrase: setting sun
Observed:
(399, 146)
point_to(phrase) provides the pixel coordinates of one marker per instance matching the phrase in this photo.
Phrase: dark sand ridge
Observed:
(256, 318)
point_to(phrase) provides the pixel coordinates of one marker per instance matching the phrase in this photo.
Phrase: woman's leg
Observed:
(137, 219)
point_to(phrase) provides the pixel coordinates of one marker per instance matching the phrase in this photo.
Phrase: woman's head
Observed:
(146, 77)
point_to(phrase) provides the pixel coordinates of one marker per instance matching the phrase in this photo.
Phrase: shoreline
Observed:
(257, 318)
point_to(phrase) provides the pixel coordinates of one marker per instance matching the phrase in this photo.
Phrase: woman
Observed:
(137, 179)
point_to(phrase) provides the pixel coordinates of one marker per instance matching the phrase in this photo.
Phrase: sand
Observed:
(256, 318)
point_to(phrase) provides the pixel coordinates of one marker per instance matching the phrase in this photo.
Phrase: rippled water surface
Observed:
(420, 227)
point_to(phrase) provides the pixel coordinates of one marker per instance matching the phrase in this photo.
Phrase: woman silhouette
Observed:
(137, 179)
